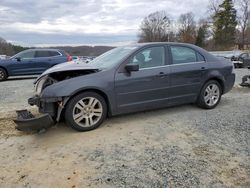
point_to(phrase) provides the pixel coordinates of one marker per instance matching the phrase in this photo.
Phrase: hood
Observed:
(68, 66)
(4, 61)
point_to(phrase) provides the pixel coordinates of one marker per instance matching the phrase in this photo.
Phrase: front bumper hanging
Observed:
(26, 121)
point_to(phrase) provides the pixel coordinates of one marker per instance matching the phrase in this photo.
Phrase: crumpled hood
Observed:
(68, 66)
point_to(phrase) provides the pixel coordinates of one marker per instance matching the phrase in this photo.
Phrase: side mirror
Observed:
(18, 58)
(131, 68)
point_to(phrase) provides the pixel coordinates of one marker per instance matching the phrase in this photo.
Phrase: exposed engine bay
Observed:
(64, 75)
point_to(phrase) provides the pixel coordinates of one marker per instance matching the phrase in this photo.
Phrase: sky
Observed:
(84, 22)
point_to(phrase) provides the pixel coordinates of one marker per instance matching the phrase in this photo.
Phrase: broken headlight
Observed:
(39, 85)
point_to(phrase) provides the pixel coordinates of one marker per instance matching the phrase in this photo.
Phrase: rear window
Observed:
(53, 53)
(181, 55)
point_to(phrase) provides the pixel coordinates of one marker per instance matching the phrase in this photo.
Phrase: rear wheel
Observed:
(3, 74)
(210, 95)
(86, 111)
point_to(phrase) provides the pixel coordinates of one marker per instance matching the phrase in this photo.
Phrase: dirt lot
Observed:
(174, 147)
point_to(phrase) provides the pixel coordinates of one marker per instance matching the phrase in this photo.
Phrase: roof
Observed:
(49, 49)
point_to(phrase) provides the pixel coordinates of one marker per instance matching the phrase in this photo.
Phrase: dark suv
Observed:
(32, 61)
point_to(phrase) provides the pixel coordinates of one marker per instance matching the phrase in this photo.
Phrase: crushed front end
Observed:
(49, 107)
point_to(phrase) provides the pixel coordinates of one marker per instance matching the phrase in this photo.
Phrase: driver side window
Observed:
(27, 55)
(150, 57)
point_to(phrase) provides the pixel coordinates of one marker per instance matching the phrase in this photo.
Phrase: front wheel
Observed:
(210, 95)
(3, 74)
(86, 111)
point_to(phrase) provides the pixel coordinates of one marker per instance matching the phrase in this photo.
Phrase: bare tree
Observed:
(244, 18)
(155, 28)
(5, 48)
(213, 6)
(187, 28)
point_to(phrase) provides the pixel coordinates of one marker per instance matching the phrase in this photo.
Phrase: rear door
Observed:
(44, 60)
(146, 88)
(187, 70)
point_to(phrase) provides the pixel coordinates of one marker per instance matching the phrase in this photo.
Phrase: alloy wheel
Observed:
(211, 94)
(87, 112)
(2, 75)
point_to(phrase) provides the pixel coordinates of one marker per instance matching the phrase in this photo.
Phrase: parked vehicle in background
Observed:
(32, 61)
(83, 59)
(128, 79)
(75, 57)
(242, 60)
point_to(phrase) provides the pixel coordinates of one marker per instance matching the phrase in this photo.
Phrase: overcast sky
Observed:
(77, 22)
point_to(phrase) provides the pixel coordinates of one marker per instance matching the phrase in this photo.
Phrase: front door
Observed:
(146, 88)
(23, 63)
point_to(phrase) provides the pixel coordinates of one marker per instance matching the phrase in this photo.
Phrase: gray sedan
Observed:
(128, 79)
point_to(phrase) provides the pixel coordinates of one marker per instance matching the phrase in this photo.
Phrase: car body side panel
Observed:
(43, 63)
(15, 68)
(102, 81)
(143, 89)
(30, 66)
(185, 81)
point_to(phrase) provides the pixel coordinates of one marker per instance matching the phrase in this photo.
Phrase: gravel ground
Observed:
(15, 92)
(181, 146)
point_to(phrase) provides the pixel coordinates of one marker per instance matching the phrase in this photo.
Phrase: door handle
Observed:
(161, 75)
(203, 68)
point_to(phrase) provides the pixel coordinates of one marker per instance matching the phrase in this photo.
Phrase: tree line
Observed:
(220, 30)
(8, 48)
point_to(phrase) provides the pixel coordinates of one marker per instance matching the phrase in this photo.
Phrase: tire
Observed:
(3, 74)
(86, 111)
(210, 95)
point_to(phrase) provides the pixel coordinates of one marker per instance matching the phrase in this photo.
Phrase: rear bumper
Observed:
(28, 122)
(229, 83)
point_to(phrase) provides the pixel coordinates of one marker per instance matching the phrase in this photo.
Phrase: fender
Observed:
(215, 75)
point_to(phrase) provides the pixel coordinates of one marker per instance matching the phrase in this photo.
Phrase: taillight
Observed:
(69, 57)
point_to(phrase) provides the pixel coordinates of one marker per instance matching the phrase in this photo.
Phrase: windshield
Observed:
(112, 57)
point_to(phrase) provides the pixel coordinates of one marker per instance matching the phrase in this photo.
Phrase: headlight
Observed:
(39, 85)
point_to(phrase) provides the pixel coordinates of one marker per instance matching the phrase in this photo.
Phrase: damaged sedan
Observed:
(127, 79)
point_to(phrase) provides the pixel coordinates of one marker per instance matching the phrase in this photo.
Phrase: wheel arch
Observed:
(5, 70)
(219, 80)
(98, 91)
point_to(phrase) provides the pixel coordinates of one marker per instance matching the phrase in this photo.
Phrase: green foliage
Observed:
(225, 25)
(18, 49)
(200, 39)
(202, 35)
(8, 48)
